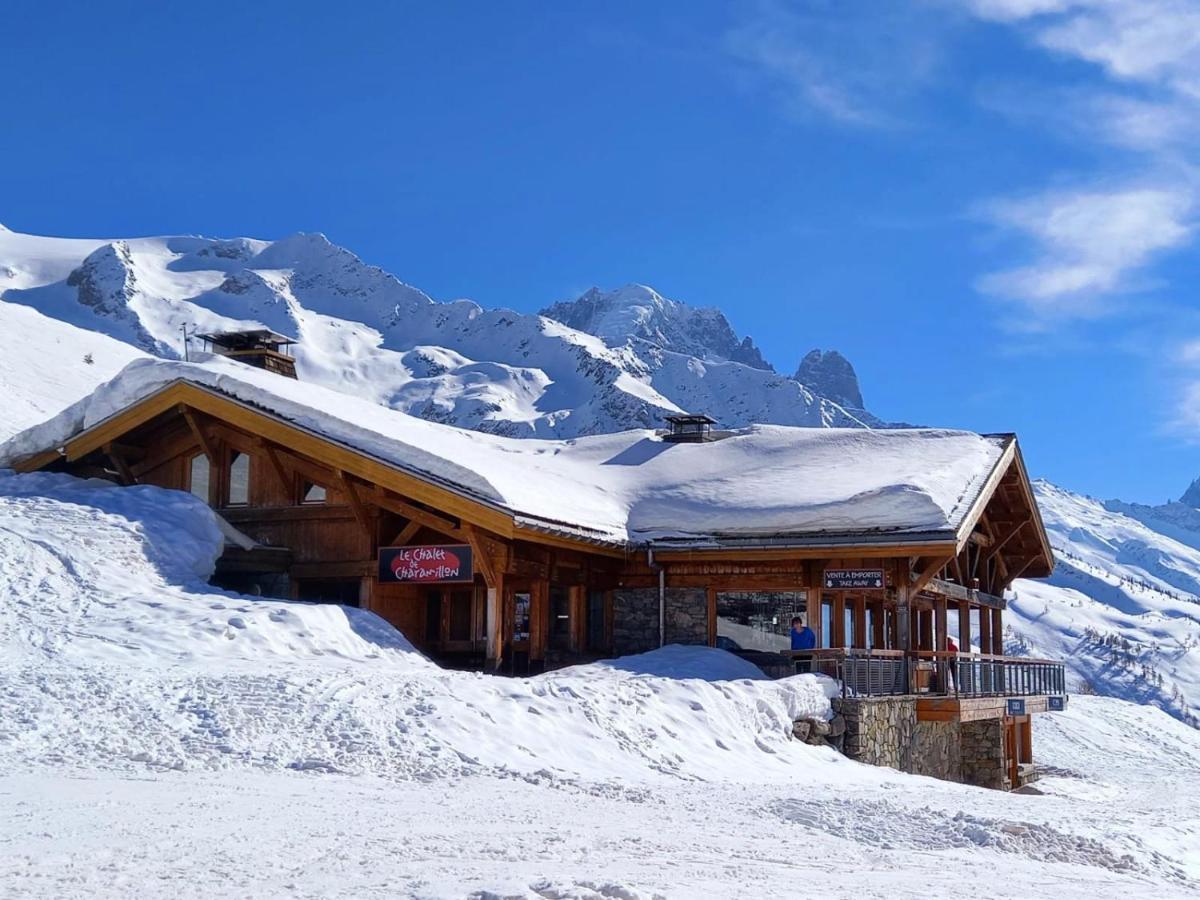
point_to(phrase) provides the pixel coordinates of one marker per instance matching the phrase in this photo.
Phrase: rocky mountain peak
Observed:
(1191, 497)
(638, 313)
(829, 374)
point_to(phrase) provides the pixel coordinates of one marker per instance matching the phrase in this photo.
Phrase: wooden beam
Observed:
(918, 580)
(407, 533)
(199, 435)
(392, 503)
(284, 482)
(1012, 533)
(360, 511)
(483, 556)
(960, 593)
(36, 461)
(113, 453)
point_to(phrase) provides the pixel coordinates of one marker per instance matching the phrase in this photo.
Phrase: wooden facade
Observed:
(319, 511)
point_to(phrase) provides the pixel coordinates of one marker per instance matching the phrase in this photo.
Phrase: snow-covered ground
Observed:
(158, 737)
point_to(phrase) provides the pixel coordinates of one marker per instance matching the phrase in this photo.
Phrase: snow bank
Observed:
(763, 480)
(115, 654)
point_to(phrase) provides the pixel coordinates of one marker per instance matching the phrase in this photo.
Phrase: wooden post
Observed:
(964, 626)
(902, 618)
(878, 621)
(838, 625)
(860, 621)
(997, 633)
(985, 630)
(939, 640)
(539, 620)
(495, 623)
(578, 621)
(712, 617)
(925, 620)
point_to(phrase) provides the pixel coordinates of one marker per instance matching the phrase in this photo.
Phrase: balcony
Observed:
(874, 673)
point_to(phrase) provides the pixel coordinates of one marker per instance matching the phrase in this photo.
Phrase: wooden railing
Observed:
(885, 672)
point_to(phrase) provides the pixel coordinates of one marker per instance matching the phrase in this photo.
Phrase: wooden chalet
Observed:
(474, 583)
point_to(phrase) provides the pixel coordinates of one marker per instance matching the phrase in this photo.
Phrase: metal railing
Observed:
(980, 675)
(868, 673)
(861, 672)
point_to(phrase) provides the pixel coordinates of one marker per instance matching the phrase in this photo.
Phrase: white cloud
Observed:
(1088, 242)
(853, 65)
(1133, 40)
(1187, 410)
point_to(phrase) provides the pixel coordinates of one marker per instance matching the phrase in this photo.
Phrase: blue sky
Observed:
(987, 205)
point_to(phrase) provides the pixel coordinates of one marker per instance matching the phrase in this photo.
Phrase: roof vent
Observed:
(260, 348)
(689, 429)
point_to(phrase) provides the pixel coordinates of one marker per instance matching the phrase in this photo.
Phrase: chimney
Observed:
(260, 348)
(689, 429)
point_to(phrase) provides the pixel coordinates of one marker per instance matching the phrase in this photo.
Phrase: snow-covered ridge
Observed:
(765, 479)
(1122, 608)
(364, 332)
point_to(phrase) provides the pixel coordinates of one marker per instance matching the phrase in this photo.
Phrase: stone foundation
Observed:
(983, 753)
(635, 618)
(880, 731)
(884, 731)
(938, 751)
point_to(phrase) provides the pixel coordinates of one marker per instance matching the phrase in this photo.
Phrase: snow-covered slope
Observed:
(199, 743)
(46, 364)
(364, 332)
(1123, 605)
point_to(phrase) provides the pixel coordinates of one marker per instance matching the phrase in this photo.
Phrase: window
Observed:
(313, 493)
(521, 603)
(560, 616)
(826, 622)
(759, 620)
(239, 479)
(198, 477)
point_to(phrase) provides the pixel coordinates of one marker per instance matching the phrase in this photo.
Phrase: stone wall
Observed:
(635, 618)
(880, 731)
(938, 751)
(635, 621)
(983, 754)
(883, 731)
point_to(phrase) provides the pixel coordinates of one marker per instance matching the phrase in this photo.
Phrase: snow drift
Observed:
(116, 654)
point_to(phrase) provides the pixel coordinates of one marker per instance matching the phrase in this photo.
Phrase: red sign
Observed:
(436, 564)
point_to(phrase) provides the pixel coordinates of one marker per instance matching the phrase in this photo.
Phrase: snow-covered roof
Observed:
(766, 481)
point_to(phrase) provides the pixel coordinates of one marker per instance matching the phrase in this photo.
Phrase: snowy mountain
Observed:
(640, 315)
(362, 331)
(1123, 606)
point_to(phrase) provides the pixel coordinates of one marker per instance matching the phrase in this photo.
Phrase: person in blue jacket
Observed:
(803, 637)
